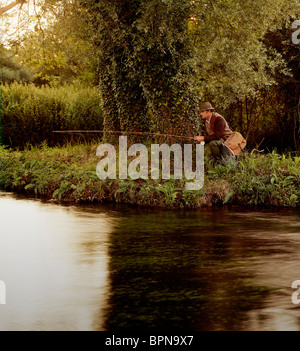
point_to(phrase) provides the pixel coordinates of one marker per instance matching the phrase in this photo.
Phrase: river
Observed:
(116, 267)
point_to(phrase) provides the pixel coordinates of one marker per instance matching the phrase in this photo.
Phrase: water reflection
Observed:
(116, 268)
(204, 270)
(54, 262)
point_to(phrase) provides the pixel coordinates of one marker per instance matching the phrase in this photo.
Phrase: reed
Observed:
(30, 114)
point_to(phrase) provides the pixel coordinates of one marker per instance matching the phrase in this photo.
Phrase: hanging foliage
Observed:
(144, 53)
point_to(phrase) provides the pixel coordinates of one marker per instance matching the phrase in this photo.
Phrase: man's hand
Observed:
(199, 138)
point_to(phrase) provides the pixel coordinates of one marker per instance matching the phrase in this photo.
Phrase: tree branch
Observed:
(10, 6)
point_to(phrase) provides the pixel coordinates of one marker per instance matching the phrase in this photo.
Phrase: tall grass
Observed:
(30, 114)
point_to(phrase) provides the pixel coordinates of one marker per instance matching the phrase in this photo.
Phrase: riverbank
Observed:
(68, 174)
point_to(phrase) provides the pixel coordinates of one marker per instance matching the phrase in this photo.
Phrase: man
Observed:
(217, 131)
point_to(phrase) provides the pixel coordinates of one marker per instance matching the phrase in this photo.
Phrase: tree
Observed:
(155, 55)
(11, 6)
(233, 60)
(157, 58)
(240, 71)
(58, 51)
(143, 53)
(10, 69)
(289, 85)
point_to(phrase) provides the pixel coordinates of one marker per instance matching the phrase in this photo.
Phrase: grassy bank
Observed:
(68, 174)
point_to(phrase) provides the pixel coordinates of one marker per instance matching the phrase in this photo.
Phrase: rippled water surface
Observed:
(117, 267)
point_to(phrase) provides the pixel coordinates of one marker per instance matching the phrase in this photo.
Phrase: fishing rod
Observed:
(121, 132)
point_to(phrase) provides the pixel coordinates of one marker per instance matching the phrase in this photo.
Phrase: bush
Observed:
(31, 114)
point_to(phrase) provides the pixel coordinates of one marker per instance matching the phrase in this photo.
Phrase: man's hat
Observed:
(206, 106)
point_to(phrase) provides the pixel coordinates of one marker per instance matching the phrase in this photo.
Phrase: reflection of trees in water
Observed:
(179, 270)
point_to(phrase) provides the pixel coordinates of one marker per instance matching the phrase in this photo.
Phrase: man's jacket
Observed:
(216, 128)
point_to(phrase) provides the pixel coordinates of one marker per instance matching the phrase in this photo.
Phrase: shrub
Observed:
(31, 114)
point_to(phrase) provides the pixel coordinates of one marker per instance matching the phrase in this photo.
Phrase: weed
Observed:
(69, 174)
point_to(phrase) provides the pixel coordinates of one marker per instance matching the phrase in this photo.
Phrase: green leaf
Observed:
(293, 198)
(228, 196)
(29, 186)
